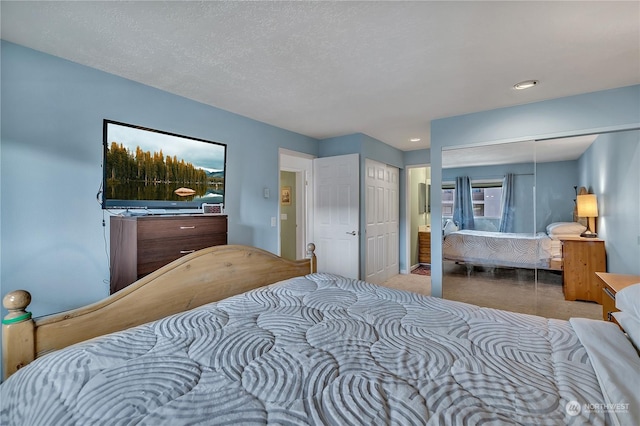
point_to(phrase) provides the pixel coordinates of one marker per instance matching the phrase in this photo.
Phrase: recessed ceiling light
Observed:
(527, 84)
(414, 140)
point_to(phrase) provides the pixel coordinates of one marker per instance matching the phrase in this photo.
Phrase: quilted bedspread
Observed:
(498, 248)
(320, 350)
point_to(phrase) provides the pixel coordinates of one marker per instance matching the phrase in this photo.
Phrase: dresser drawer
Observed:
(608, 304)
(611, 285)
(180, 227)
(155, 253)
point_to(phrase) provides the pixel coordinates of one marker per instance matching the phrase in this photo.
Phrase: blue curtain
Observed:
(462, 204)
(507, 202)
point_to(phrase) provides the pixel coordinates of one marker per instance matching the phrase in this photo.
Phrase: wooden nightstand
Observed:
(613, 283)
(424, 247)
(582, 258)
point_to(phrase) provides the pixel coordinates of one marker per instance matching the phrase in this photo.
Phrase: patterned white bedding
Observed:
(498, 248)
(319, 349)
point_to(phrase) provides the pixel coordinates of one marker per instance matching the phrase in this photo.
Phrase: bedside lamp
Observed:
(588, 207)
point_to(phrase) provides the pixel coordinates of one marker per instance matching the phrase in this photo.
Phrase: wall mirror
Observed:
(422, 198)
(497, 251)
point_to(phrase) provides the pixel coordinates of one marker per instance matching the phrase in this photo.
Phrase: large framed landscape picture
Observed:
(152, 169)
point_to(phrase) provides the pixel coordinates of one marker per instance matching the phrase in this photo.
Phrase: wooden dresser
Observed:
(424, 247)
(142, 244)
(582, 258)
(611, 284)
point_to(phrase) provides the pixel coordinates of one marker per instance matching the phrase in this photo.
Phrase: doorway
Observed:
(291, 234)
(418, 216)
(319, 202)
(295, 193)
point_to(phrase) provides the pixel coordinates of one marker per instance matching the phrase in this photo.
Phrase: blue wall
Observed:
(597, 112)
(555, 193)
(420, 157)
(54, 243)
(611, 170)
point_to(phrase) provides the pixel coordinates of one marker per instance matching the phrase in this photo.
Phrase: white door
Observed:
(382, 221)
(336, 210)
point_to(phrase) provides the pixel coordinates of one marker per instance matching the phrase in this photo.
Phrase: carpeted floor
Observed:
(508, 289)
(420, 284)
(515, 290)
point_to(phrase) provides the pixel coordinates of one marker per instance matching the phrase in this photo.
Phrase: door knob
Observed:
(352, 233)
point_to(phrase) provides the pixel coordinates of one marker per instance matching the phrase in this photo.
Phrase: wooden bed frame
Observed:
(196, 279)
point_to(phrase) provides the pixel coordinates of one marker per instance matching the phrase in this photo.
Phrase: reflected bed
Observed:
(500, 249)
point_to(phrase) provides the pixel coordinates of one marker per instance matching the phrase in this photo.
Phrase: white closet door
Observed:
(382, 221)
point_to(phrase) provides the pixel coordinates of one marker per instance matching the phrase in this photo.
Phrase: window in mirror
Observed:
(448, 195)
(486, 197)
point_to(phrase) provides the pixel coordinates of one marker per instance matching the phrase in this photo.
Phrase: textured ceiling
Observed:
(327, 69)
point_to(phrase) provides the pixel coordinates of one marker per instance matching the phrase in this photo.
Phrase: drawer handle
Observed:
(186, 251)
(609, 293)
(188, 227)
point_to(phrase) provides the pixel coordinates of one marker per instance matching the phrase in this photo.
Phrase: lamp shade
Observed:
(587, 205)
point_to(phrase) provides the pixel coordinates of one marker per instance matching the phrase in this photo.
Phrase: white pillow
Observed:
(449, 227)
(628, 300)
(631, 326)
(565, 228)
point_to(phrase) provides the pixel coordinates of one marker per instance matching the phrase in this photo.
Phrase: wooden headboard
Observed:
(199, 278)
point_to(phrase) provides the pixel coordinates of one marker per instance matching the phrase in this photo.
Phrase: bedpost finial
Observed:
(17, 299)
(16, 303)
(311, 255)
(311, 251)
